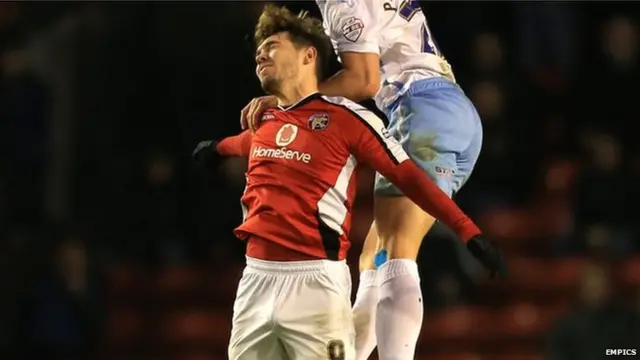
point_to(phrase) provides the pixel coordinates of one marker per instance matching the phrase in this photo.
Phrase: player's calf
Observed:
(364, 314)
(401, 227)
(365, 305)
(400, 310)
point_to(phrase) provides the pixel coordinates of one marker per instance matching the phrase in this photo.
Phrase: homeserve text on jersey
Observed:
(281, 153)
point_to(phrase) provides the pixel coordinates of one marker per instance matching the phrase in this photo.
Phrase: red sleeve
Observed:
(371, 144)
(238, 145)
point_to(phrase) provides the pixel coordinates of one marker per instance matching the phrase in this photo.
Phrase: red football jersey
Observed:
(300, 178)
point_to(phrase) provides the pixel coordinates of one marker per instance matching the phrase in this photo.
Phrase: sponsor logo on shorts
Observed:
(443, 171)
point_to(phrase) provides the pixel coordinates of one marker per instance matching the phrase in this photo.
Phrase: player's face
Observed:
(276, 61)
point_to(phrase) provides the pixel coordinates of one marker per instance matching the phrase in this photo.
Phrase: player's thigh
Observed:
(268, 348)
(435, 129)
(441, 132)
(401, 226)
(369, 250)
(252, 333)
(467, 160)
(315, 319)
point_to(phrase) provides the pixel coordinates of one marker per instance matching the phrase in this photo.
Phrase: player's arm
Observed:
(238, 145)
(353, 27)
(358, 80)
(209, 153)
(371, 144)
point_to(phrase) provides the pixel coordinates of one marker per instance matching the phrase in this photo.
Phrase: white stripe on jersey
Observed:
(331, 207)
(374, 123)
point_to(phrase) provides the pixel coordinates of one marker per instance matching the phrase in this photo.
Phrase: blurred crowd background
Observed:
(112, 246)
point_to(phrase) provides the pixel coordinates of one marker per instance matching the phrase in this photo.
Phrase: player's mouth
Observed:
(263, 67)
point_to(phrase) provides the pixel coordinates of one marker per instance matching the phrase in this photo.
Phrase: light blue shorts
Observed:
(440, 130)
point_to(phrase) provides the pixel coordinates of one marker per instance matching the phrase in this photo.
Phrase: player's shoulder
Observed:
(350, 109)
(339, 12)
(342, 102)
(353, 4)
(336, 4)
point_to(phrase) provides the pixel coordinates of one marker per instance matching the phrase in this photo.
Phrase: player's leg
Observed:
(366, 303)
(252, 335)
(367, 260)
(400, 307)
(314, 312)
(466, 161)
(435, 123)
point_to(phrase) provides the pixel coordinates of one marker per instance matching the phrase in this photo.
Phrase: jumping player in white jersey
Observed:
(388, 52)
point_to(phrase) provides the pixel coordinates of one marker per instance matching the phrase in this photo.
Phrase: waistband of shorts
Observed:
(293, 267)
(431, 83)
(417, 87)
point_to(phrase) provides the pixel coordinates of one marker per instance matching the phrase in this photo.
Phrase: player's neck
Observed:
(291, 95)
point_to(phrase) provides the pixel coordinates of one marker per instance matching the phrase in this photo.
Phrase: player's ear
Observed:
(310, 55)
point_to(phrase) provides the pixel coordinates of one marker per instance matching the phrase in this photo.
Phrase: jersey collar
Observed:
(305, 100)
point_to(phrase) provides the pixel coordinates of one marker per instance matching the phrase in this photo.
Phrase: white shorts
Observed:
(293, 310)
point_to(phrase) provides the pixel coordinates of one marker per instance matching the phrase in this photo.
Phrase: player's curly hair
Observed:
(304, 30)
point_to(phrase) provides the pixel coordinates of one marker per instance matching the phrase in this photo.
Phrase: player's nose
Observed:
(261, 57)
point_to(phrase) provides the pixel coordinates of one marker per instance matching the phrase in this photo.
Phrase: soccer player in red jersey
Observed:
(388, 53)
(293, 301)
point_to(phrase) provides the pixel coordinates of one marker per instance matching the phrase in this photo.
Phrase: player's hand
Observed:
(489, 255)
(251, 115)
(206, 155)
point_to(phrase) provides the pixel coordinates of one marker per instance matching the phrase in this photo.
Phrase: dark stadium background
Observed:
(112, 246)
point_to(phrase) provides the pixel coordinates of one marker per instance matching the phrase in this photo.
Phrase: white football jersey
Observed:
(396, 30)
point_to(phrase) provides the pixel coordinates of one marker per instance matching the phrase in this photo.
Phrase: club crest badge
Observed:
(352, 29)
(318, 122)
